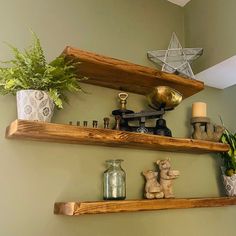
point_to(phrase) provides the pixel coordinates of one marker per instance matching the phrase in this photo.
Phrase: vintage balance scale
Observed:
(161, 99)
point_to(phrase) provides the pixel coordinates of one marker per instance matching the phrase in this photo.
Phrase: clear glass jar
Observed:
(114, 185)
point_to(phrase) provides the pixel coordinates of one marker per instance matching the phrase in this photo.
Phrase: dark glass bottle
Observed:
(114, 181)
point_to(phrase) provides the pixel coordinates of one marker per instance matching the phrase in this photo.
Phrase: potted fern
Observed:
(39, 86)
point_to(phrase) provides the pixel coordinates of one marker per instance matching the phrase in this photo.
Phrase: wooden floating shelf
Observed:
(81, 208)
(41, 131)
(122, 75)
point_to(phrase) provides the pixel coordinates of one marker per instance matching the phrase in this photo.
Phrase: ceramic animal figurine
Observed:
(219, 130)
(205, 130)
(166, 177)
(152, 187)
(198, 133)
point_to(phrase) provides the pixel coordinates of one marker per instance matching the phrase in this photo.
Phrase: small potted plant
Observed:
(39, 86)
(229, 160)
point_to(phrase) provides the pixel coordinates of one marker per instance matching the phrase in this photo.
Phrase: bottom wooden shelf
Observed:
(97, 207)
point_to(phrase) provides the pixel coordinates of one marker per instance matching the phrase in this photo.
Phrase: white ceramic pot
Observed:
(34, 105)
(229, 184)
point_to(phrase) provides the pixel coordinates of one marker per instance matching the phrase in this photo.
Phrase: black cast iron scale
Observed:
(123, 116)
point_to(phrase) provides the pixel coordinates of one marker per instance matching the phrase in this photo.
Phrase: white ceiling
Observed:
(220, 76)
(180, 2)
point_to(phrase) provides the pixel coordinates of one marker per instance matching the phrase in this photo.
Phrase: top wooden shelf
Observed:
(122, 75)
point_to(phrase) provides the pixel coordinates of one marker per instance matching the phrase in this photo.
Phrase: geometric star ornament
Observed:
(176, 59)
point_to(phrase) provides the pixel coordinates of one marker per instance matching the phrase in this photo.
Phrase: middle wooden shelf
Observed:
(62, 133)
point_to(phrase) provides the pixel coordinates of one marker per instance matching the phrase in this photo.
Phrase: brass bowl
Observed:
(164, 97)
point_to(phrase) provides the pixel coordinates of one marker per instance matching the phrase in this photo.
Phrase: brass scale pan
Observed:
(164, 97)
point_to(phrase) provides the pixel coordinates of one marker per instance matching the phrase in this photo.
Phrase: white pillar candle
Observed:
(199, 109)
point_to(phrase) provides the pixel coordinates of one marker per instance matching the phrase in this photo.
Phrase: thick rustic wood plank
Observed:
(41, 131)
(122, 75)
(81, 208)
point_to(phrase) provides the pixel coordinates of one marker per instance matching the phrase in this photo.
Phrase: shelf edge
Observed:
(126, 76)
(99, 207)
(51, 132)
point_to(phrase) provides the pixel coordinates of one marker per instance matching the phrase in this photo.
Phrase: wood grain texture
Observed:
(41, 131)
(97, 207)
(122, 75)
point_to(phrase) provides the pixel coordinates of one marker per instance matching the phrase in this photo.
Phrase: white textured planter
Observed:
(229, 184)
(34, 105)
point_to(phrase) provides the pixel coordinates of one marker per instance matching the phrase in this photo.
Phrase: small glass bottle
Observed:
(114, 186)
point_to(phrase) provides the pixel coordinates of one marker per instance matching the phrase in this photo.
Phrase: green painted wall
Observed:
(211, 24)
(34, 175)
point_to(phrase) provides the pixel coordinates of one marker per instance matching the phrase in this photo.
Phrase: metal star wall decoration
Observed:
(176, 59)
